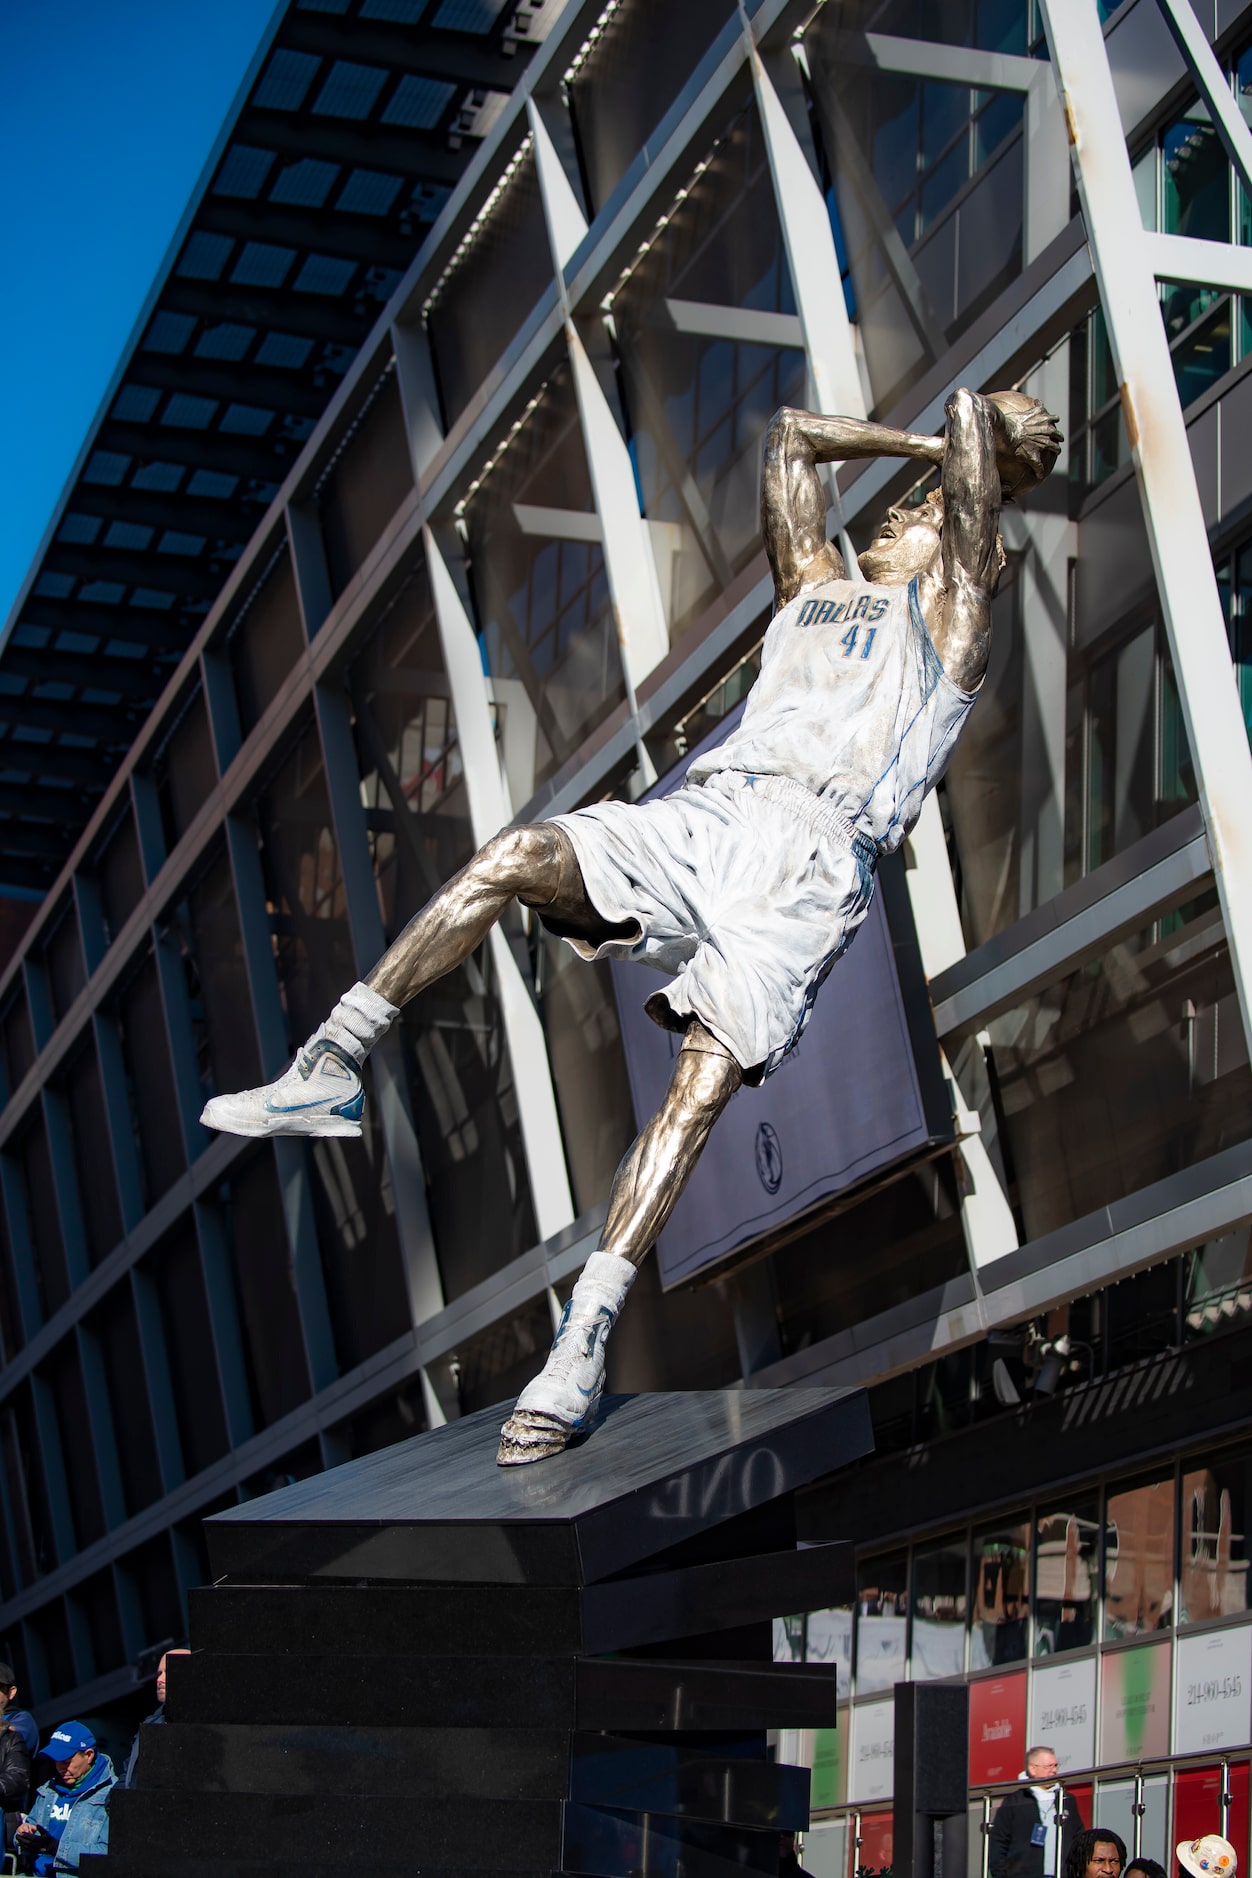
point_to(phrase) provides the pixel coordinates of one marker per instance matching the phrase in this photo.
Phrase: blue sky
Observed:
(108, 112)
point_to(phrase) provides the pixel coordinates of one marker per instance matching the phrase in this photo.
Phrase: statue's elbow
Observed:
(782, 432)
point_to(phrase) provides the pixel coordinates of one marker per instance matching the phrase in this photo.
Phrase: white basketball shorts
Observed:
(742, 895)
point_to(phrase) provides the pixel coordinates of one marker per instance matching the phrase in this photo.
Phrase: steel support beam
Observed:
(1124, 258)
(490, 810)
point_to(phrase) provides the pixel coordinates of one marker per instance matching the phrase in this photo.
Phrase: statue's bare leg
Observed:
(561, 1401)
(321, 1092)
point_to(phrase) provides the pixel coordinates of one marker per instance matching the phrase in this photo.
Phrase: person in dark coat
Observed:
(17, 1718)
(130, 1777)
(1024, 1838)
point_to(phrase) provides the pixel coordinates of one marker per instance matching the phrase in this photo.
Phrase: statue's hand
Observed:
(1028, 441)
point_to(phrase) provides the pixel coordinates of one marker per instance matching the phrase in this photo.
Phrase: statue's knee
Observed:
(706, 1081)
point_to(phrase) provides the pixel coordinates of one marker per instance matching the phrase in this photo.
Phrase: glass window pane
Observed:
(150, 1079)
(115, 1332)
(699, 403)
(264, 1286)
(63, 957)
(544, 614)
(121, 874)
(93, 1158)
(940, 1608)
(1139, 1558)
(366, 484)
(1067, 1561)
(1216, 1504)
(1196, 179)
(1218, 1285)
(185, 769)
(1129, 1069)
(828, 1639)
(176, 1271)
(460, 1069)
(881, 1622)
(501, 277)
(218, 981)
(1201, 353)
(265, 639)
(584, 1041)
(622, 89)
(999, 1611)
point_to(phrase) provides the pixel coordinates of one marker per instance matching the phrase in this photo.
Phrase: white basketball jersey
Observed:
(853, 702)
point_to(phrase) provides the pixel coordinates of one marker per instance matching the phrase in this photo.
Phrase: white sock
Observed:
(604, 1279)
(358, 1021)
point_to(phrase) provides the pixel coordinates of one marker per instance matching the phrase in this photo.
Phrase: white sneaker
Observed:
(321, 1094)
(562, 1400)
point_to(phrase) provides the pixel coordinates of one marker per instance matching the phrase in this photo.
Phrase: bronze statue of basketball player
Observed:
(745, 884)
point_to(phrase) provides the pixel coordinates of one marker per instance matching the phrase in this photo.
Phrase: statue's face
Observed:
(907, 543)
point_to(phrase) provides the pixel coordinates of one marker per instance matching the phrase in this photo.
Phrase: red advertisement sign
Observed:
(997, 1729)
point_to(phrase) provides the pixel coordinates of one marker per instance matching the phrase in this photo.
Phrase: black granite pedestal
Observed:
(424, 1662)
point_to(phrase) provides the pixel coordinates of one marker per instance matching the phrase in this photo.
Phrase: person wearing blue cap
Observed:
(71, 1814)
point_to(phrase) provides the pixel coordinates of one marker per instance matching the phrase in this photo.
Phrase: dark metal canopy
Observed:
(363, 115)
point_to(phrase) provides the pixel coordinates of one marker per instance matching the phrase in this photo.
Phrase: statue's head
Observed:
(909, 542)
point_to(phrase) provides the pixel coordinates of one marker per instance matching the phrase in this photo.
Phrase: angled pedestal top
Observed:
(656, 1470)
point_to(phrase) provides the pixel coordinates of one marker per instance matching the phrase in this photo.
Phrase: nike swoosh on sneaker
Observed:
(293, 1108)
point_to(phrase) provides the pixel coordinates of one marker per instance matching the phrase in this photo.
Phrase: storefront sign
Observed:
(873, 1752)
(997, 1729)
(1134, 1704)
(1062, 1711)
(1213, 1691)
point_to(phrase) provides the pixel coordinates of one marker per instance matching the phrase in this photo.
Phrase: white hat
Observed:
(1209, 1857)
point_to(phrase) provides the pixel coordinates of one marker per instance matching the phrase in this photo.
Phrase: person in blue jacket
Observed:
(71, 1811)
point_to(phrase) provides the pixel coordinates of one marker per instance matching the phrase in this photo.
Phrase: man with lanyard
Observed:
(70, 1815)
(1034, 1827)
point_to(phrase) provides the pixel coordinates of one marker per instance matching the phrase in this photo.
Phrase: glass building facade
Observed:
(510, 564)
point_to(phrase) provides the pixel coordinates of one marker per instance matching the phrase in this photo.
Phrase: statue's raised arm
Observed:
(793, 502)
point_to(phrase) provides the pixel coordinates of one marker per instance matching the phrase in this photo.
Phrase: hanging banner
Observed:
(997, 1729)
(830, 1764)
(1213, 1692)
(1134, 1704)
(1062, 1711)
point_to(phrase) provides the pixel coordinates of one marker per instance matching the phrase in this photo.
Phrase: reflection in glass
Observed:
(580, 1026)
(621, 89)
(304, 889)
(1130, 1068)
(1066, 1563)
(699, 400)
(999, 1612)
(828, 1639)
(1216, 1500)
(496, 282)
(545, 621)
(788, 1635)
(939, 1608)
(1218, 1284)
(1139, 1558)
(460, 1071)
(881, 1622)
(926, 192)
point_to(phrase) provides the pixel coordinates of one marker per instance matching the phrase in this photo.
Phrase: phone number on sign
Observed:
(1215, 1689)
(1063, 1717)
